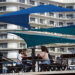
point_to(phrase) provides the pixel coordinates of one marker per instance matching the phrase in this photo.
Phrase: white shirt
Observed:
(19, 57)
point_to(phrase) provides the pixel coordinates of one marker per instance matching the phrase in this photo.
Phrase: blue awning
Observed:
(70, 30)
(22, 17)
(35, 40)
(21, 20)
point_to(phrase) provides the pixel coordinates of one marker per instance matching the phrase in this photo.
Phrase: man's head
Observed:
(20, 51)
(24, 51)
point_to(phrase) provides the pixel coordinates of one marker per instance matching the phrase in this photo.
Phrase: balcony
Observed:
(22, 1)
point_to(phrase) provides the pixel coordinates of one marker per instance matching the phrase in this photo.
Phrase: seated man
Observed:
(27, 63)
(19, 61)
(19, 57)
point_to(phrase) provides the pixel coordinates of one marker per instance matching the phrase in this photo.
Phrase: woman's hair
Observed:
(44, 49)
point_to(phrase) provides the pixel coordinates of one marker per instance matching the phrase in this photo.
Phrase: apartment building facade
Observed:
(10, 43)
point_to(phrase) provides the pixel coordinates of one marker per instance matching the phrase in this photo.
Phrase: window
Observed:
(3, 8)
(2, 0)
(42, 21)
(70, 23)
(60, 6)
(51, 22)
(3, 45)
(33, 27)
(3, 26)
(62, 50)
(60, 23)
(52, 49)
(51, 14)
(70, 7)
(42, 13)
(41, 3)
(5, 53)
(22, 45)
(60, 15)
(69, 15)
(23, 1)
(21, 8)
(32, 2)
(3, 36)
(32, 19)
(71, 50)
(22, 27)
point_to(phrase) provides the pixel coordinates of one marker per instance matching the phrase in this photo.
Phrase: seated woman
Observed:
(45, 57)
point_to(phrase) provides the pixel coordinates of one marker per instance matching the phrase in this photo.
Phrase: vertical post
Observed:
(1, 62)
(67, 64)
(33, 59)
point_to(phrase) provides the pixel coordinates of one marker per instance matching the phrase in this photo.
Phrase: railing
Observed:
(12, 67)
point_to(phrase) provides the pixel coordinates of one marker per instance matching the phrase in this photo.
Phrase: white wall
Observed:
(12, 36)
(11, 26)
(12, 54)
(12, 0)
(12, 8)
(64, 1)
(13, 45)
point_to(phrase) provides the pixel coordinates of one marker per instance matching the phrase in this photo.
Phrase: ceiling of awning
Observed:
(37, 39)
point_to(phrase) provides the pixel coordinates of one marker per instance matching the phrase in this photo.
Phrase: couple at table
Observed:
(44, 55)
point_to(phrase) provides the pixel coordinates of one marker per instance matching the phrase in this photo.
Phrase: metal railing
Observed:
(12, 67)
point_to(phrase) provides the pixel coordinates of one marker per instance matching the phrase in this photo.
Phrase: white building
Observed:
(11, 43)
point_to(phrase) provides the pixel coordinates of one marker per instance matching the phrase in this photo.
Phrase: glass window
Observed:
(51, 14)
(22, 27)
(22, 45)
(52, 49)
(3, 36)
(70, 23)
(33, 27)
(23, 1)
(41, 3)
(21, 8)
(32, 2)
(42, 13)
(62, 50)
(69, 15)
(60, 15)
(3, 8)
(51, 22)
(32, 19)
(5, 53)
(60, 23)
(60, 6)
(2, 0)
(70, 7)
(3, 26)
(71, 50)
(42, 21)
(3, 45)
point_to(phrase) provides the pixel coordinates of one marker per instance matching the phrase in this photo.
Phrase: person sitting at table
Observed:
(45, 56)
(19, 57)
(19, 61)
(27, 63)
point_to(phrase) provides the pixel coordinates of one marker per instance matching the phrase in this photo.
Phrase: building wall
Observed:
(64, 1)
(41, 20)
